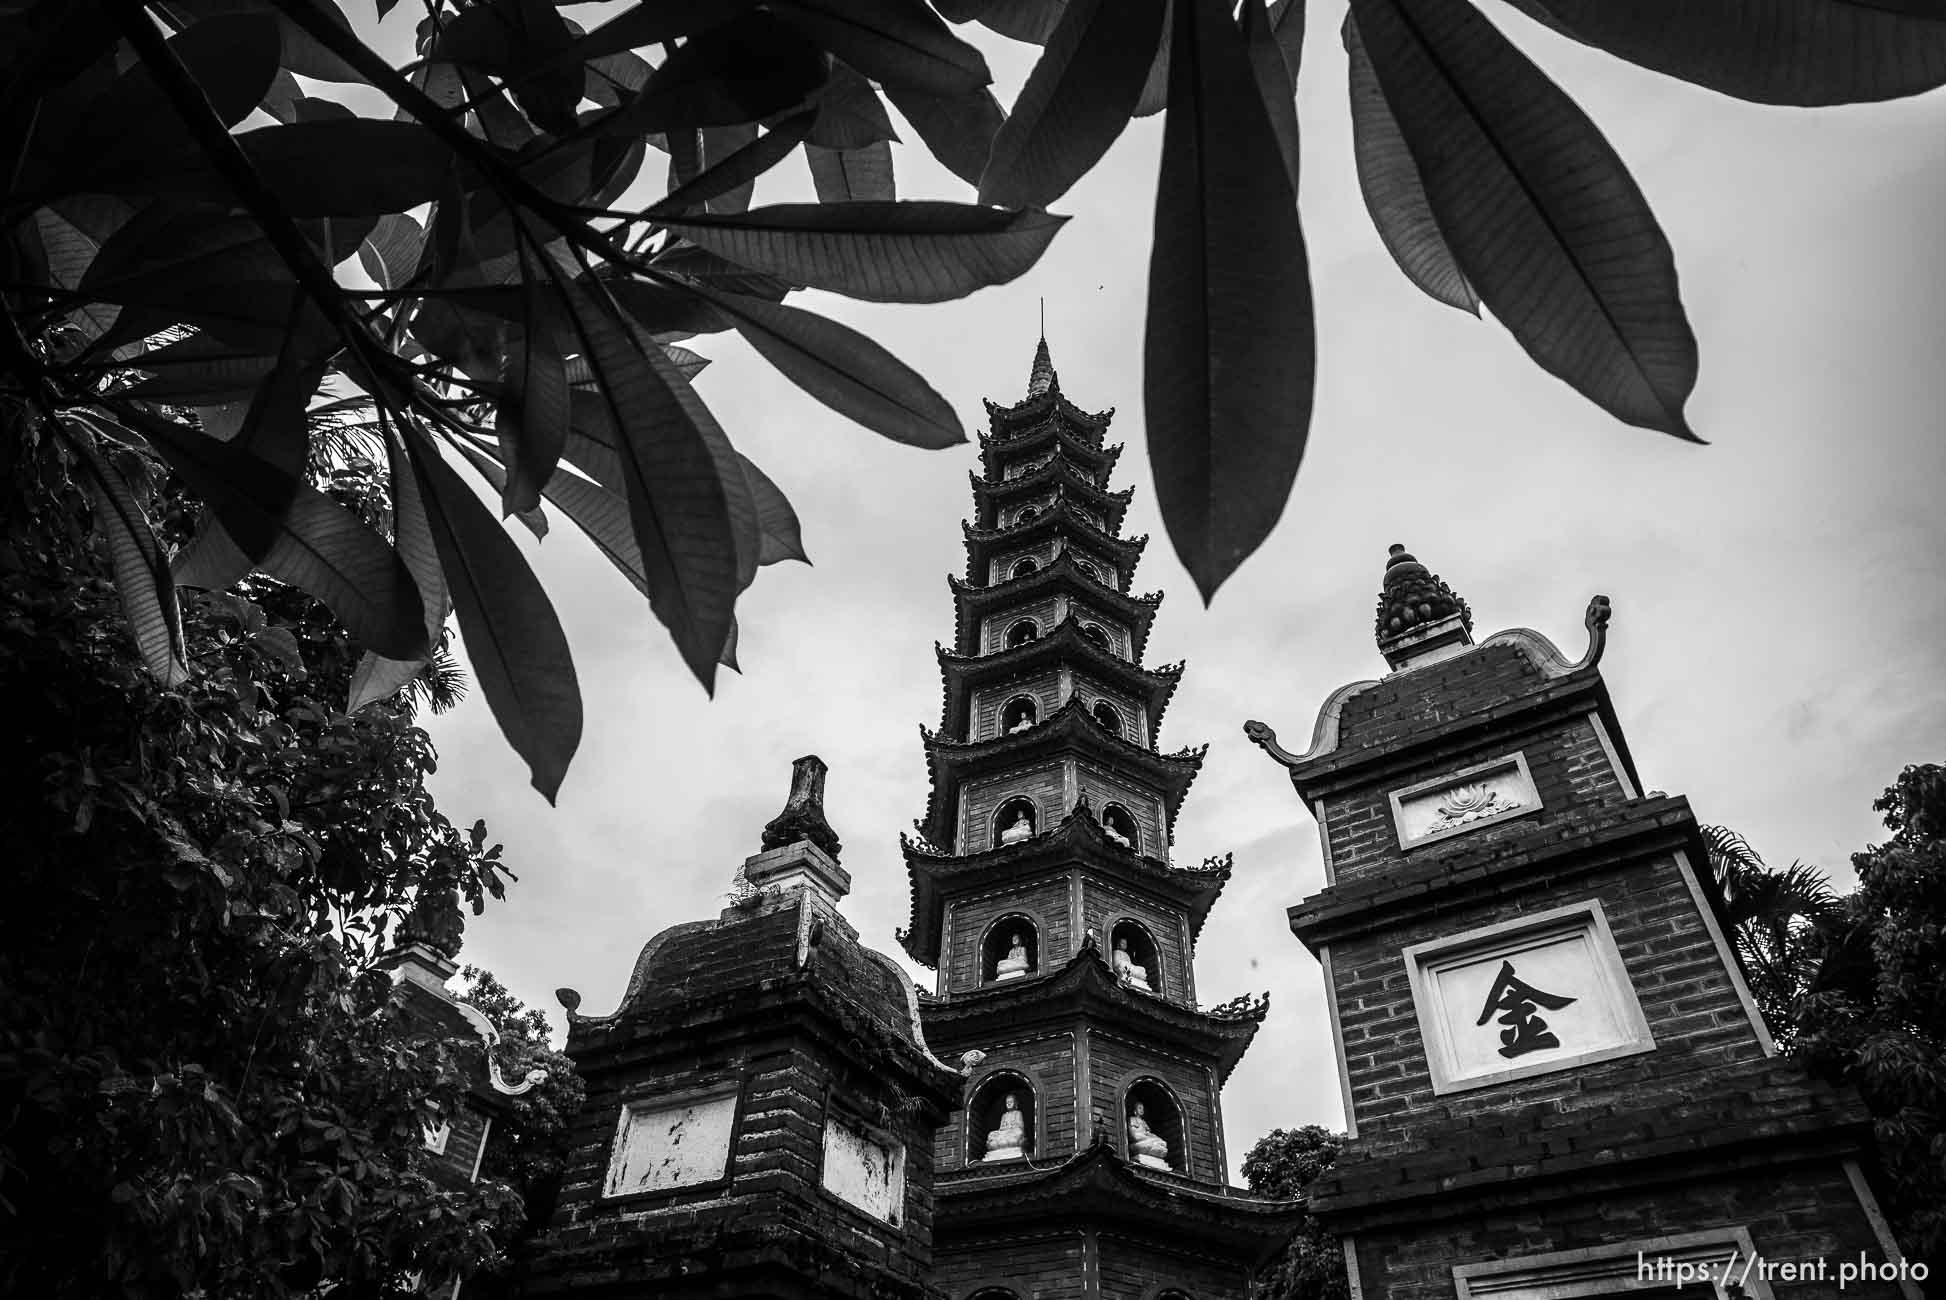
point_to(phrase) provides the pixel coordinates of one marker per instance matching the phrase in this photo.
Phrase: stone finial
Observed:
(1418, 613)
(1043, 379)
(434, 922)
(803, 815)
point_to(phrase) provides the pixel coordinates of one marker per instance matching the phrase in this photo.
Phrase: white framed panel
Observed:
(1699, 1264)
(1528, 996)
(662, 1143)
(865, 1167)
(1484, 794)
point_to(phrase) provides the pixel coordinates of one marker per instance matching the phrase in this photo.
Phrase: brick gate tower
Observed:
(1088, 1160)
(1556, 1081)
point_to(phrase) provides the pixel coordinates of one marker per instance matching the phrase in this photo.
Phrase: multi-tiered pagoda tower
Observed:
(1089, 1158)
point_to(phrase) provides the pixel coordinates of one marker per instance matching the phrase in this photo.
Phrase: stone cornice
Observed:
(1060, 471)
(961, 674)
(973, 601)
(983, 544)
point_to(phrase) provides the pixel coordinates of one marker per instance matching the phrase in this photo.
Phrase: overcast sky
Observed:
(1775, 652)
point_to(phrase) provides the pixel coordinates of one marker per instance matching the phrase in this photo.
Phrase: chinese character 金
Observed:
(1517, 1000)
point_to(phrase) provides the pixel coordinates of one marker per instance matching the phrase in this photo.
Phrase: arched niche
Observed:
(1088, 570)
(1022, 632)
(1007, 820)
(1018, 714)
(1108, 716)
(1026, 515)
(1099, 635)
(993, 1293)
(987, 1125)
(999, 960)
(1024, 567)
(1133, 954)
(1119, 824)
(1152, 1126)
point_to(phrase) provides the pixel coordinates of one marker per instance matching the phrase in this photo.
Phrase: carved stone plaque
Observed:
(666, 1143)
(1464, 800)
(865, 1168)
(1525, 997)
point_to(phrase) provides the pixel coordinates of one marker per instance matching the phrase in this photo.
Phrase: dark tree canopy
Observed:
(1284, 1164)
(205, 1086)
(498, 271)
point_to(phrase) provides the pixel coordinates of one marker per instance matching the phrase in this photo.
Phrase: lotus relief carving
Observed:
(1465, 804)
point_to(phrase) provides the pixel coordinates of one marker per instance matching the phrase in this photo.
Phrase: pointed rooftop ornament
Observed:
(1043, 379)
(803, 815)
(1419, 617)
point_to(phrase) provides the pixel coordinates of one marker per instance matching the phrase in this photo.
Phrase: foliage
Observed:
(1776, 919)
(205, 1090)
(1876, 1013)
(530, 1147)
(185, 212)
(1284, 1164)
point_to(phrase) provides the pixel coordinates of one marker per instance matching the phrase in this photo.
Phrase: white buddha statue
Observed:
(1007, 1141)
(1015, 963)
(1024, 721)
(1020, 828)
(1108, 829)
(1126, 969)
(1143, 1143)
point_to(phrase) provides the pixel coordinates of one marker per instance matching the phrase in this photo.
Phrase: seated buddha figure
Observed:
(1126, 969)
(1008, 1142)
(1015, 964)
(1144, 1144)
(1020, 828)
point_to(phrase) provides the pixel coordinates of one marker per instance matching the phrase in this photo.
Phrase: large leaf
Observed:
(304, 54)
(377, 677)
(679, 503)
(1230, 356)
(349, 167)
(199, 267)
(199, 370)
(531, 417)
(390, 254)
(298, 535)
(852, 175)
(881, 252)
(1076, 102)
(513, 637)
(843, 369)
(141, 573)
(958, 129)
(1806, 52)
(776, 521)
(737, 172)
(850, 114)
(894, 42)
(1393, 193)
(748, 69)
(525, 42)
(1274, 61)
(1542, 217)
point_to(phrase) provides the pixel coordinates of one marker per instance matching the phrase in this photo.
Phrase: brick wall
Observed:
(1685, 992)
(1118, 635)
(1811, 1213)
(1135, 722)
(988, 701)
(1114, 1063)
(1104, 787)
(1136, 1270)
(1048, 1062)
(1046, 785)
(993, 629)
(1103, 904)
(468, 1131)
(1571, 772)
(1045, 902)
(1002, 565)
(1050, 1267)
(1111, 572)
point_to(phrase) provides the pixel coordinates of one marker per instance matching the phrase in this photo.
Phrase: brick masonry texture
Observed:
(993, 632)
(1115, 1063)
(972, 918)
(1104, 788)
(1048, 1062)
(1051, 1267)
(1104, 905)
(1046, 785)
(1809, 1214)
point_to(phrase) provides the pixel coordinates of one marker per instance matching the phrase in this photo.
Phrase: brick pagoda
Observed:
(761, 1106)
(1088, 1159)
(1555, 1077)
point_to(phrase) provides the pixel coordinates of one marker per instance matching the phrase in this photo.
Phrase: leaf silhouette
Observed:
(1394, 197)
(296, 534)
(881, 252)
(513, 637)
(958, 129)
(895, 42)
(377, 677)
(1076, 102)
(1543, 219)
(141, 572)
(852, 175)
(842, 368)
(1804, 52)
(1230, 356)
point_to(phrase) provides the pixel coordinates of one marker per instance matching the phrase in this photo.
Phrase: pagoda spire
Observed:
(1043, 379)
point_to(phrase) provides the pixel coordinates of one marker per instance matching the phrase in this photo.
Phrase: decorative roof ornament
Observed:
(803, 815)
(1417, 612)
(1043, 379)
(434, 922)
